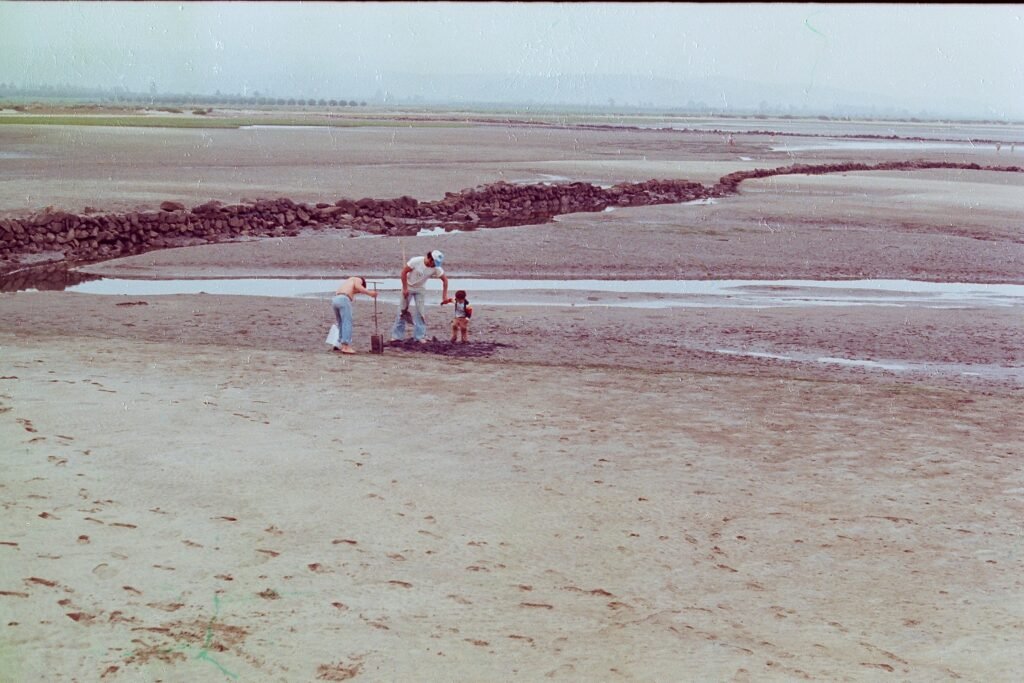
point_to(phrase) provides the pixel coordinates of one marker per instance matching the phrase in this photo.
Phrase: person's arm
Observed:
(363, 290)
(405, 280)
(444, 290)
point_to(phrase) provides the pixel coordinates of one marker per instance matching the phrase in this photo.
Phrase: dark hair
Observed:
(461, 294)
(364, 281)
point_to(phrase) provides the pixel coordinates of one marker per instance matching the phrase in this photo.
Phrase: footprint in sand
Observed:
(338, 672)
(526, 639)
(104, 571)
(81, 617)
(166, 606)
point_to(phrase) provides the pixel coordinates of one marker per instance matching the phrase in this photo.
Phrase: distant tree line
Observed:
(118, 95)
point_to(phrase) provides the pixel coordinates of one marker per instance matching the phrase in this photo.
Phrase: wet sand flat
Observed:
(605, 522)
(196, 488)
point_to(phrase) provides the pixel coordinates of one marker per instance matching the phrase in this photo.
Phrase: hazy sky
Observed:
(920, 53)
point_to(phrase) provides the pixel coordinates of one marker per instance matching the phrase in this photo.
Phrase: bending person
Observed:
(415, 274)
(342, 305)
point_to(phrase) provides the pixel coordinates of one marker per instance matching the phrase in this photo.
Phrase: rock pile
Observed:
(728, 184)
(87, 237)
(92, 236)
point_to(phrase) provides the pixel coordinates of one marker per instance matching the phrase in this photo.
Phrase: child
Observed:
(463, 312)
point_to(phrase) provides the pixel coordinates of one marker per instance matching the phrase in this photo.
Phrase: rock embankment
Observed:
(92, 236)
(728, 184)
(98, 236)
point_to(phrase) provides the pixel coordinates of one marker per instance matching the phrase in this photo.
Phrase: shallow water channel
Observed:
(620, 293)
(631, 294)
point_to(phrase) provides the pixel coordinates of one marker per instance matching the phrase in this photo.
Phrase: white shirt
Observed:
(420, 273)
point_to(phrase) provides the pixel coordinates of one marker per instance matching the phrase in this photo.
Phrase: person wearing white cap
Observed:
(415, 274)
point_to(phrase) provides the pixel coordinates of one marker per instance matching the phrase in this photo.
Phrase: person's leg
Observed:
(455, 329)
(465, 330)
(345, 328)
(398, 330)
(419, 324)
(336, 307)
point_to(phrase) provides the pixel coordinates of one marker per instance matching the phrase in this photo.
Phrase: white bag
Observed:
(332, 336)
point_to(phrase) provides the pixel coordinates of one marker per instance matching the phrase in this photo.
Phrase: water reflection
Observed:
(51, 277)
(584, 293)
(876, 145)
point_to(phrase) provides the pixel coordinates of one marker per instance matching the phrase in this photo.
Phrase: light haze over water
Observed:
(937, 59)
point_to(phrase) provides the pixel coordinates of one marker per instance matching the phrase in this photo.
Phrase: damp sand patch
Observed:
(435, 346)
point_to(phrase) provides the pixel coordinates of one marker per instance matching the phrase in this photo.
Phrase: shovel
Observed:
(376, 339)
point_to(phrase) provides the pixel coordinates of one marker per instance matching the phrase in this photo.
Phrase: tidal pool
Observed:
(877, 145)
(622, 293)
(982, 370)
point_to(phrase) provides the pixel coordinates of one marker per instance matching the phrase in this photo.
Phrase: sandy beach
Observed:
(196, 488)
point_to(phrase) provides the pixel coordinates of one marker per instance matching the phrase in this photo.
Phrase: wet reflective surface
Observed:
(749, 294)
(984, 370)
(55, 277)
(619, 293)
(876, 145)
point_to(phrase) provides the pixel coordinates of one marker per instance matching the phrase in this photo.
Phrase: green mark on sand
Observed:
(204, 654)
(204, 651)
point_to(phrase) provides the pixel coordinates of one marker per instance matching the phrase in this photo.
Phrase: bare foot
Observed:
(345, 348)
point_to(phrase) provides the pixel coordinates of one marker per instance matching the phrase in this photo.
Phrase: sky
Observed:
(921, 55)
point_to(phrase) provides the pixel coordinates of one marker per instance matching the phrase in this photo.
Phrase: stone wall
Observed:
(729, 184)
(93, 236)
(98, 236)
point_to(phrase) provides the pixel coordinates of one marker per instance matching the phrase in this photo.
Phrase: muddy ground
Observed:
(196, 487)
